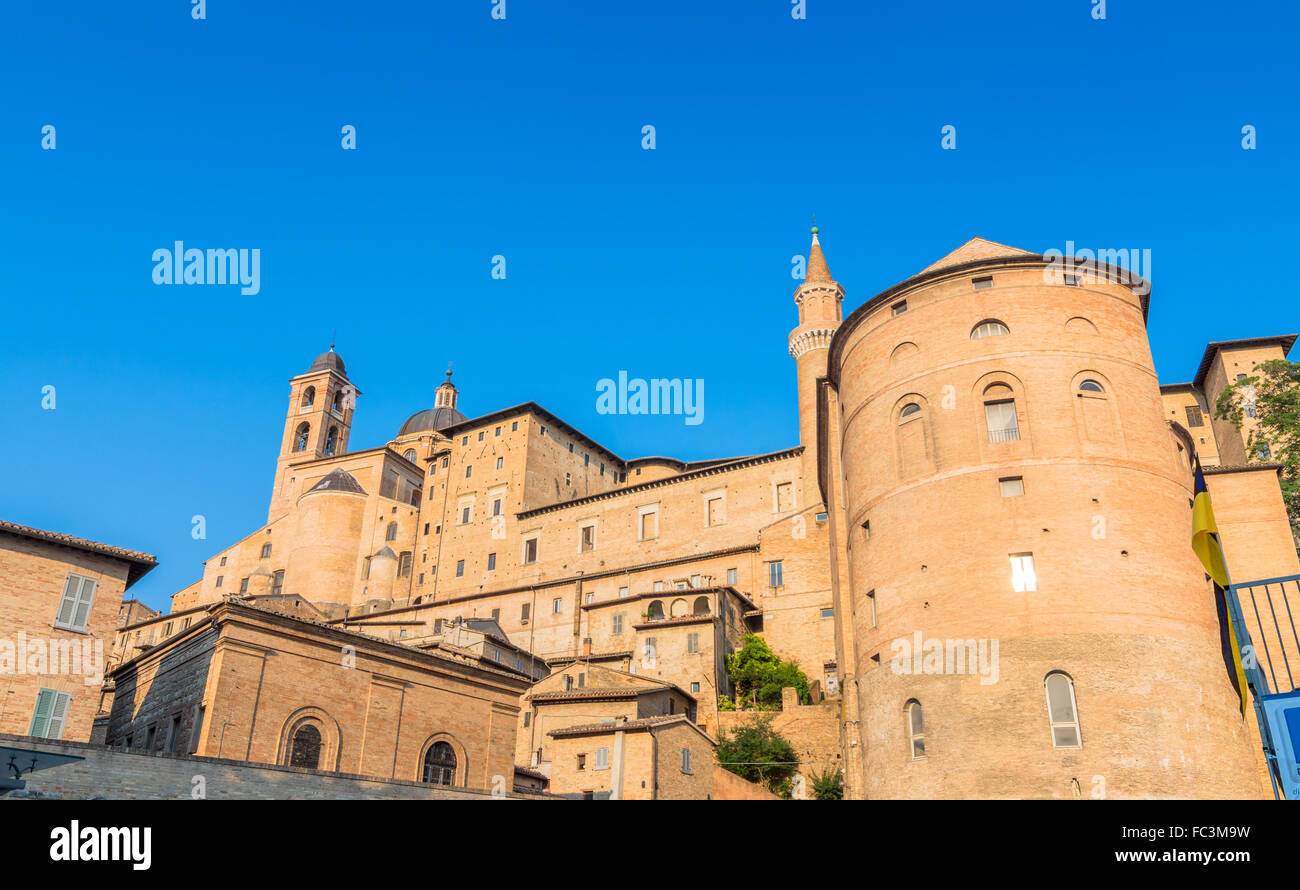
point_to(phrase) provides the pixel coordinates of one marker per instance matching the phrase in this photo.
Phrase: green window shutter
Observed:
(41, 716)
(58, 716)
(81, 616)
(68, 604)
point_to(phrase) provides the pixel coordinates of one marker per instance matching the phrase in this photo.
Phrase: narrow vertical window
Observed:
(1062, 711)
(1002, 422)
(1023, 577)
(915, 729)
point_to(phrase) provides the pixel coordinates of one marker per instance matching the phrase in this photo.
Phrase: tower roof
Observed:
(329, 361)
(817, 268)
(976, 249)
(338, 480)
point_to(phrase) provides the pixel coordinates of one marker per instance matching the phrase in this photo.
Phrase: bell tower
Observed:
(317, 424)
(820, 301)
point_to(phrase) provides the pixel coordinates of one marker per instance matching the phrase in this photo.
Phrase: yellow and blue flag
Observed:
(1205, 541)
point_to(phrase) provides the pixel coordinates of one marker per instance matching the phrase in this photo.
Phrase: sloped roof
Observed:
(976, 249)
(138, 564)
(338, 480)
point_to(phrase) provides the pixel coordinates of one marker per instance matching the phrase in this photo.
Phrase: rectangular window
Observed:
(150, 737)
(557, 605)
(982, 283)
(469, 470)
(514, 427)
(74, 606)
(1012, 486)
(784, 497)
(1194, 416)
(496, 615)
(623, 592)
(648, 523)
(1071, 280)
(732, 575)
(828, 613)
(51, 711)
(651, 648)
(692, 644)
(775, 574)
(1023, 578)
(686, 760)
(266, 550)
(602, 758)
(696, 580)
(524, 611)
(499, 462)
(530, 551)
(715, 511)
(460, 568)
(243, 585)
(588, 538)
(528, 719)
(618, 624)
(173, 734)
(658, 586)
(277, 583)
(871, 601)
(464, 515)
(589, 598)
(582, 761)
(496, 506)
(492, 562)
(498, 431)
(695, 687)
(404, 564)
(1002, 422)
(899, 308)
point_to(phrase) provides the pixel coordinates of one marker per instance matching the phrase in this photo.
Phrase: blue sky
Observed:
(522, 138)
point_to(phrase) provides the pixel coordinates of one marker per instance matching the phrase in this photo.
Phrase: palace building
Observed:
(985, 458)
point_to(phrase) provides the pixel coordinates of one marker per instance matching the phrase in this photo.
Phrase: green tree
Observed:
(759, 754)
(759, 676)
(826, 785)
(1271, 395)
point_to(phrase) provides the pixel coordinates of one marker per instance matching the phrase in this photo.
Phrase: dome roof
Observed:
(431, 420)
(328, 361)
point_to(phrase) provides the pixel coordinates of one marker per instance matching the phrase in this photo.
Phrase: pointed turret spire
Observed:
(817, 268)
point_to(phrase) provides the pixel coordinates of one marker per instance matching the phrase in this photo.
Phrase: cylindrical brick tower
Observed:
(332, 511)
(1028, 617)
(819, 299)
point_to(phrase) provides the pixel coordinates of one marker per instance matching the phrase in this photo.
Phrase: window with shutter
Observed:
(50, 713)
(74, 608)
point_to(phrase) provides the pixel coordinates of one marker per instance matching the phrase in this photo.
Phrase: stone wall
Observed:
(812, 730)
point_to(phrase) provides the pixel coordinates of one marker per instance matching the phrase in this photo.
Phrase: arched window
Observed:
(338, 402)
(440, 764)
(332, 440)
(701, 605)
(300, 437)
(909, 409)
(989, 327)
(677, 609)
(308, 396)
(1091, 386)
(656, 610)
(304, 750)
(410, 455)
(1062, 712)
(1000, 414)
(391, 533)
(915, 729)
